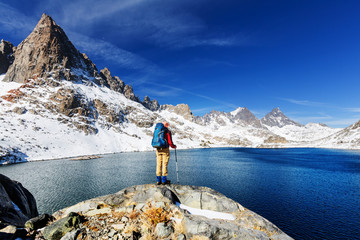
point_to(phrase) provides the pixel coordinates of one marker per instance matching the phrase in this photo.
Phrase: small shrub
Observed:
(133, 215)
(155, 215)
(117, 215)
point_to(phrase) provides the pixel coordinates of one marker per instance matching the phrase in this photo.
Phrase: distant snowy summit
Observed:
(55, 103)
(276, 118)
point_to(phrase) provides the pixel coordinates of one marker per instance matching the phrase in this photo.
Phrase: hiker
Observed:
(161, 141)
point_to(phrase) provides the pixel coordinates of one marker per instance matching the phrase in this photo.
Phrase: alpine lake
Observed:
(308, 193)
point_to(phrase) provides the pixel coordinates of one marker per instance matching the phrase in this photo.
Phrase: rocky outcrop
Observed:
(275, 139)
(113, 82)
(17, 204)
(68, 101)
(129, 93)
(152, 105)
(109, 114)
(180, 109)
(6, 55)
(276, 118)
(157, 212)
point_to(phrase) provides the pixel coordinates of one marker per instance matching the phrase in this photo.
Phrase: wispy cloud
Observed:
(168, 90)
(165, 23)
(80, 12)
(354, 110)
(302, 102)
(111, 53)
(15, 22)
(161, 92)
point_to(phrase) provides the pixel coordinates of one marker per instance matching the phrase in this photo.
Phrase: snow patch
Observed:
(207, 213)
(7, 86)
(236, 111)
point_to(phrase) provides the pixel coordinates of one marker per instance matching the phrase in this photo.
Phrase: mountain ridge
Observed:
(50, 103)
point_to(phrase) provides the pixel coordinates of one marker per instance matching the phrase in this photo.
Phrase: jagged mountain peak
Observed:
(244, 115)
(240, 116)
(276, 118)
(48, 52)
(49, 56)
(45, 21)
(276, 110)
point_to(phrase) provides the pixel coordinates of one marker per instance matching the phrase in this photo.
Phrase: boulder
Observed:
(168, 212)
(163, 230)
(38, 222)
(58, 229)
(17, 204)
(8, 232)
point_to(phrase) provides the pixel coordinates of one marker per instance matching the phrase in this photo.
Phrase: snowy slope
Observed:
(42, 136)
(5, 87)
(348, 138)
(33, 130)
(309, 132)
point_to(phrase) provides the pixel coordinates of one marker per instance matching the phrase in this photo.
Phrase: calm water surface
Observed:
(308, 193)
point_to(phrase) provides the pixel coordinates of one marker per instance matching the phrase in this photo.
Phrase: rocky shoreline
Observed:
(142, 212)
(168, 212)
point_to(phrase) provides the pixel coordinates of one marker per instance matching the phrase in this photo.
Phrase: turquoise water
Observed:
(308, 193)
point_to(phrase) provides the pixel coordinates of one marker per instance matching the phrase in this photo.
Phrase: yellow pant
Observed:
(162, 161)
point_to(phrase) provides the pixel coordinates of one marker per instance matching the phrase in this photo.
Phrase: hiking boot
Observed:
(158, 180)
(166, 182)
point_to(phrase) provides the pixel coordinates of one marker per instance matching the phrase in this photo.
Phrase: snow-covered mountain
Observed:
(55, 103)
(276, 118)
(348, 138)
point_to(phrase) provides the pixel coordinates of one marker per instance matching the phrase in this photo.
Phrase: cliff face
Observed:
(166, 212)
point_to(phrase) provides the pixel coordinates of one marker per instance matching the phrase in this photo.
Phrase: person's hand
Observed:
(175, 146)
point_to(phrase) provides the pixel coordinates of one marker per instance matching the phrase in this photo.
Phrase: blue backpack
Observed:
(159, 140)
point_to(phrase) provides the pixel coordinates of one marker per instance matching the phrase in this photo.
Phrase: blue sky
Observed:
(300, 55)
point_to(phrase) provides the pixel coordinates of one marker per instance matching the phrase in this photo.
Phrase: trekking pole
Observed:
(177, 169)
